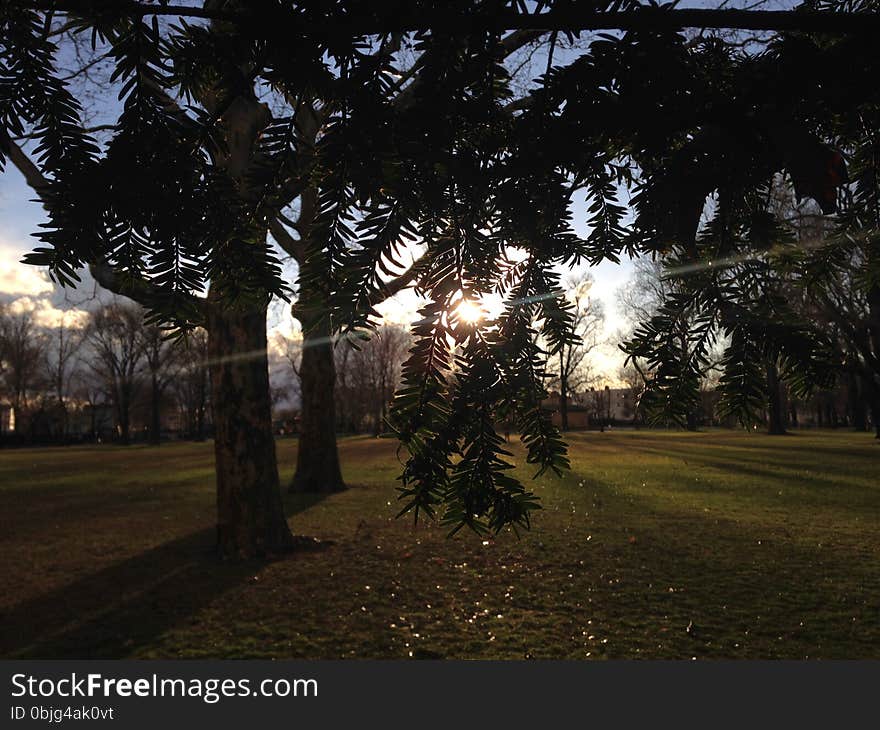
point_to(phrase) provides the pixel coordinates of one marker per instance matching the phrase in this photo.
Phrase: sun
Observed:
(469, 312)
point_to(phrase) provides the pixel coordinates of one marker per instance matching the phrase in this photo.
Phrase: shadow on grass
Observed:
(112, 613)
(762, 443)
(821, 486)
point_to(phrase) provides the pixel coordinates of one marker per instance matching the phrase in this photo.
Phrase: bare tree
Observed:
(191, 383)
(21, 353)
(574, 363)
(92, 394)
(60, 363)
(381, 359)
(117, 345)
(645, 291)
(159, 354)
(349, 396)
(634, 386)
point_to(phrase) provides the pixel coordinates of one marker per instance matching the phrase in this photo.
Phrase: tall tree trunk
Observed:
(377, 418)
(200, 420)
(383, 413)
(155, 397)
(124, 422)
(871, 381)
(856, 402)
(250, 513)
(775, 409)
(317, 458)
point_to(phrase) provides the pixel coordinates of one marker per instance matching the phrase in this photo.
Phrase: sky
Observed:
(27, 287)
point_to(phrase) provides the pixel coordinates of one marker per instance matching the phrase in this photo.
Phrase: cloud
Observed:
(47, 314)
(18, 278)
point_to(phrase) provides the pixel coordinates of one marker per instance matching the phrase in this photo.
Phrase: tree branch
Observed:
(291, 246)
(126, 284)
(393, 287)
(139, 289)
(32, 175)
(376, 20)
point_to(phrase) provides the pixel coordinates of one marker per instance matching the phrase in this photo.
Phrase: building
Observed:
(593, 408)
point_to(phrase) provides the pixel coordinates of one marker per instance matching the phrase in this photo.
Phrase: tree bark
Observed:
(317, 459)
(775, 409)
(250, 513)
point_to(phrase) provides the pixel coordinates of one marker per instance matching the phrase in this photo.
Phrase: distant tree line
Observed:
(109, 376)
(103, 376)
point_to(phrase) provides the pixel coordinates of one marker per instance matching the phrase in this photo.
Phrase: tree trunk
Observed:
(563, 392)
(18, 421)
(775, 409)
(124, 422)
(317, 458)
(200, 420)
(857, 405)
(155, 419)
(378, 418)
(250, 513)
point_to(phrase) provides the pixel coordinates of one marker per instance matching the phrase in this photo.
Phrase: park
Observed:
(472, 329)
(657, 544)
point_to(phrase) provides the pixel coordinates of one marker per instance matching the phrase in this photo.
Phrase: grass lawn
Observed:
(657, 544)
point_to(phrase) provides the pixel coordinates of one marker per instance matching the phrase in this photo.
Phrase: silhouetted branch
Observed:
(374, 19)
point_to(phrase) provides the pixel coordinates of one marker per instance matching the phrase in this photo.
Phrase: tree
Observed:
(190, 381)
(367, 372)
(376, 159)
(22, 351)
(640, 300)
(634, 385)
(743, 244)
(60, 361)
(163, 208)
(379, 363)
(114, 334)
(377, 273)
(88, 390)
(840, 268)
(160, 354)
(574, 367)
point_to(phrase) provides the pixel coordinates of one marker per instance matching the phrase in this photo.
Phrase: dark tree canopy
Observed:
(441, 152)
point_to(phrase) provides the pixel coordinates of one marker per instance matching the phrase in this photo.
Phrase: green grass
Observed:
(657, 544)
